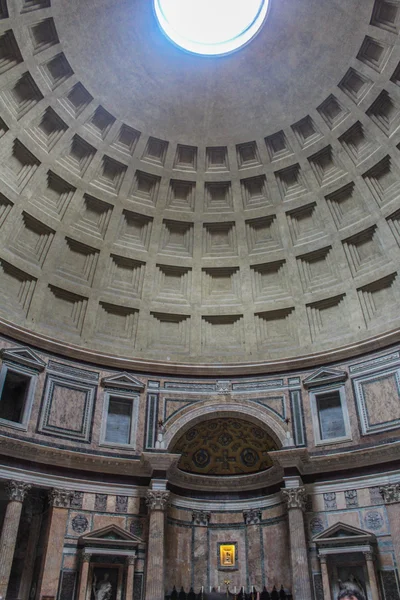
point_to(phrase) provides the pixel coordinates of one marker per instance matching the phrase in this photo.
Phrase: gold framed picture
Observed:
(227, 555)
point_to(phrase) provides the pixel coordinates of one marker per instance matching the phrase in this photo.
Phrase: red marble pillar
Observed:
(83, 577)
(295, 499)
(54, 544)
(157, 501)
(391, 496)
(16, 493)
(130, 575)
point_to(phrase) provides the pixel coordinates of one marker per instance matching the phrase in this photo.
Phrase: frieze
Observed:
(252, 516)
(121, 504)
(74, 372)
(351, 498)
(59, 498)
(374, 363)
(295, 497)
(157, 499)
(223, 387)
(17, 490)
(77, 500)
(80, 524)
(330, 501)
(201, 518)
(390, 493)
(264, 384)
(100, 502)
(188, 387)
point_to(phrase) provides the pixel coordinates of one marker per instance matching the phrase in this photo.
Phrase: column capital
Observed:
(130, 560)
(323, 559)
(252, 516)
(295, 497)
(369, 556)
(157, 499)
(85, 556)
(17, 490)
(390, 493)
(59, 498)
(201, 518)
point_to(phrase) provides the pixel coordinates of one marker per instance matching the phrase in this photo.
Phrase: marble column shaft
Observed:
(157, 501)
(295, 501)
(325, 578)
(83, 577)
(54, 543)
(391, 496)
(373, 582)
(16, 493)
(30, 556)
(130, 575)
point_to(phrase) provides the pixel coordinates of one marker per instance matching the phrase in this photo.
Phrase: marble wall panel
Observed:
(178, 556)
(276, 555)
(216, 577)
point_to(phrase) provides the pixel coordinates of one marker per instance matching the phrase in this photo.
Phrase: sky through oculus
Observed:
(210, 27)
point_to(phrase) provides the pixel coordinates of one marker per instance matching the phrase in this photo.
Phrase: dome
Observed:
(177, 210)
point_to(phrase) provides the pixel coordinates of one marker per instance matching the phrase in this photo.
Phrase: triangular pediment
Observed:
(123, 380)
(23, 356)
(340, 533)
(110, 535)
(324, 376)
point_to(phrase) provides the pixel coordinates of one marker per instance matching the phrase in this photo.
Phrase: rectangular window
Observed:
(330, 416)
(119, 421)
(14, 390)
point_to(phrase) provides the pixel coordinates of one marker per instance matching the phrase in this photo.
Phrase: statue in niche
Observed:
(353, 584)
(102, 590)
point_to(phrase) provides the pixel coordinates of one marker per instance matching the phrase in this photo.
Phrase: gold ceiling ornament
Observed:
(227, 446)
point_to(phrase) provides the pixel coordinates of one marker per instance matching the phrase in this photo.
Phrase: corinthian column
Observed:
(51, 565)
(16, 493)
(157, 501)
(130, 576)
(83, 578)
(373, 582)
(391, 497)
(295, 499)
(325, 578)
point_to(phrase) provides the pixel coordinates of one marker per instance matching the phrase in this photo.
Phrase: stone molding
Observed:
(59, 498)
(252, 516)
(201, 518)
(295, 497)
(390, 493)
(157, 499)
(17, 490)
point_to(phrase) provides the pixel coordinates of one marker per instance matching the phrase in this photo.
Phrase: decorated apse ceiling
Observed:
(225, 447)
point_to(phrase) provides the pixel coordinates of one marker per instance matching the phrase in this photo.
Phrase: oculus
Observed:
(210, 27)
